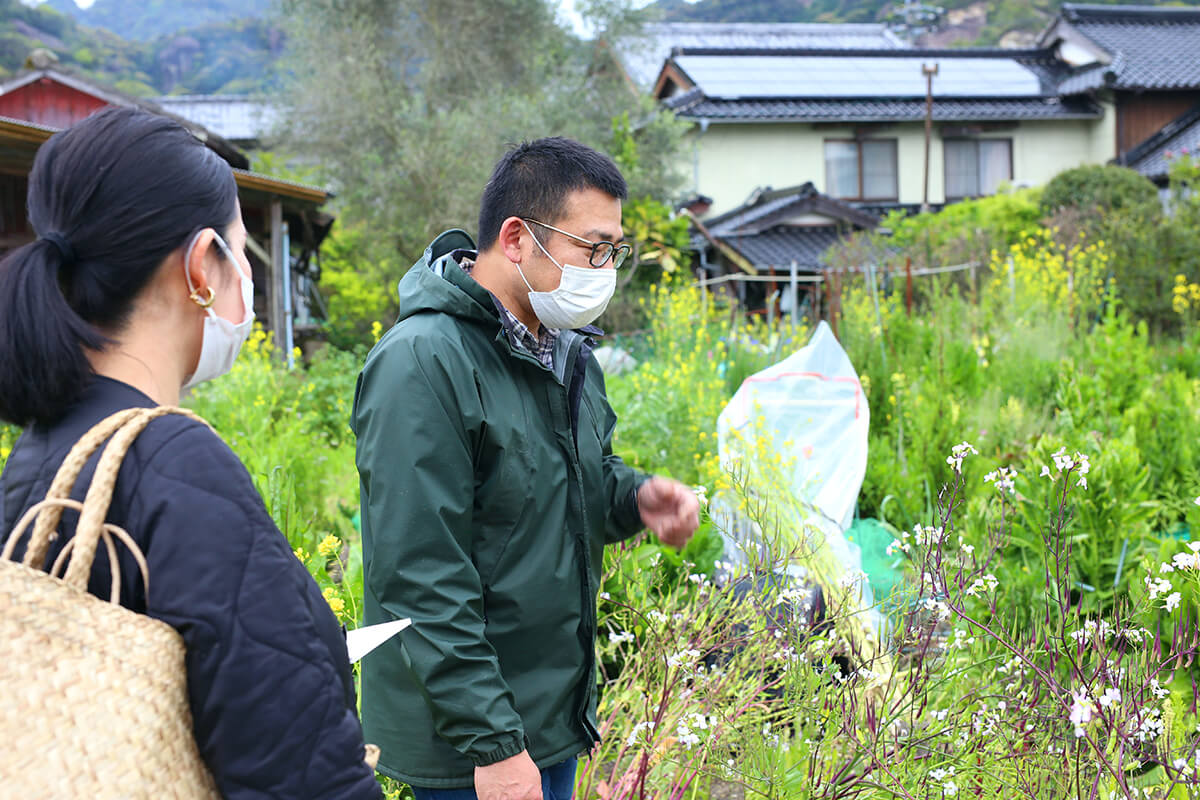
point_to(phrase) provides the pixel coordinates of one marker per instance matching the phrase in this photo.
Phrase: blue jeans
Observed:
(558, 783)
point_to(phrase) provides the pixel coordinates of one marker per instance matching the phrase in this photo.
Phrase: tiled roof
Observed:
(1086, 79)
(644, 55)
(1151, 47)
(735, 220)
(767, 229)
(694, 105)
(778, 247)
(1152, 157)
(767, 207)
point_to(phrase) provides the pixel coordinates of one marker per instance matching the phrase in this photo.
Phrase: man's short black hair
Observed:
(534, 178)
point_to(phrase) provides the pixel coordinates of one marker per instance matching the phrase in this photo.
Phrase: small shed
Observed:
(779, 237)
(284, 220)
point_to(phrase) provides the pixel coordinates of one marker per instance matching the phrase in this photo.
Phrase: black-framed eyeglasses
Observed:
(601, 251)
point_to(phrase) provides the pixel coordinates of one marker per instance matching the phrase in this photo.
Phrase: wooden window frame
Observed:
(858, 143)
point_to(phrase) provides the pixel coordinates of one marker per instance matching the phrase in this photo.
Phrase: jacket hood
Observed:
(437, 283)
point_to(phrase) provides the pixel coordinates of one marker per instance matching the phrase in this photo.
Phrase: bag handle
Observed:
(99, 494)
(108, 531)
(123, 427)
(44, 531)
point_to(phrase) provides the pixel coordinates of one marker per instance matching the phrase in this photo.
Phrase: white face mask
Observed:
(581, 296)
(222, 340)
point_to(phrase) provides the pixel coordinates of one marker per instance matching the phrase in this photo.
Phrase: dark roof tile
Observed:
(694, 105)
(1151, 47)
(779, 247)
(767, 207)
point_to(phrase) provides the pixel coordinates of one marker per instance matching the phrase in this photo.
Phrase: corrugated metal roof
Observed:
(644, 56)
(231, 116)
(31, 131)
(694, 105)
(280, 186)
(1152, 47)
(845, 76)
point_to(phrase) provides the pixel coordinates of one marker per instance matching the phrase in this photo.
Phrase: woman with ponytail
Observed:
(137, 287)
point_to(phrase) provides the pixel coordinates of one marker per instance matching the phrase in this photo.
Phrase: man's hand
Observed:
(670, 509)
(515, 778)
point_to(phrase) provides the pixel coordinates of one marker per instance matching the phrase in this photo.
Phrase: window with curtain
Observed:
(976, 167)
(866, 169)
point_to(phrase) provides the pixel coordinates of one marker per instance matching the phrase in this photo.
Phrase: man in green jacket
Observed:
(489, 488)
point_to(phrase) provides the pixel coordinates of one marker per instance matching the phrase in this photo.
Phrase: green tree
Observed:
(406, 105)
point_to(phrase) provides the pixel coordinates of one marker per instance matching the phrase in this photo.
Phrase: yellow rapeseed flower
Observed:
(329, 546)
(337, 604)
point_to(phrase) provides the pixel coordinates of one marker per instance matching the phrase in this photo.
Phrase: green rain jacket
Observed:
(489, 490)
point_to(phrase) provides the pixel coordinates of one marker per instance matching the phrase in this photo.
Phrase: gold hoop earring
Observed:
(212, 298)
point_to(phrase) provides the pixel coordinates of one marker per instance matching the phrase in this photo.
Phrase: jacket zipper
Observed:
(581, 542)
(591, 735)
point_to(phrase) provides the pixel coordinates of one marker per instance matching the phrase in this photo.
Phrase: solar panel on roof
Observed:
(857, 76)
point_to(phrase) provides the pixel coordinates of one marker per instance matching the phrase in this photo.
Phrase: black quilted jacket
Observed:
(271, 692)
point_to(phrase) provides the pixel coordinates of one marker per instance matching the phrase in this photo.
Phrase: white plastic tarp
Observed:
(812, 399)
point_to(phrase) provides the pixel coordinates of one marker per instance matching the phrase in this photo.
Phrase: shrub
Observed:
(360, 291)
(959, 233)
(1099, 189)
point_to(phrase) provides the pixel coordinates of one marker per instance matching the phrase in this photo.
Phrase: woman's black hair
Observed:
(110, 198)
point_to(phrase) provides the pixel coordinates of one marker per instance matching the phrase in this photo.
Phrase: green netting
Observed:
(884, 572)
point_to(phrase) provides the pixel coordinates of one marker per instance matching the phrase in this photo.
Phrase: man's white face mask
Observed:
(222, 340)
(581, 297)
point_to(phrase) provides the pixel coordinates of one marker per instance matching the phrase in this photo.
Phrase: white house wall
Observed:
(729, 161)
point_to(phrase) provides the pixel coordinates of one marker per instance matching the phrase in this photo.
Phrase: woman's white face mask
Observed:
(581, 296)
(222, 340)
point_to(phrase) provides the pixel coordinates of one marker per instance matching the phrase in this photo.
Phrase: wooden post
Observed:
(908, 286)
(795, 288)
(275, 269)
(772, 294)
(288, 317)
(928, 72)
(819, 290)
(834, 282)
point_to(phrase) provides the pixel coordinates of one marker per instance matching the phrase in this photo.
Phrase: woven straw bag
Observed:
(94, 695)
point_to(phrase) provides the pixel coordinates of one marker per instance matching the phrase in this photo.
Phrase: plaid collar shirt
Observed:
(519, 336)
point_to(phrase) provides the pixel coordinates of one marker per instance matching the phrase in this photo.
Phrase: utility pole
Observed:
(928, 72)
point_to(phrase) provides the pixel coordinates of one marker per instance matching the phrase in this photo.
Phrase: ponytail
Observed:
(43, 368)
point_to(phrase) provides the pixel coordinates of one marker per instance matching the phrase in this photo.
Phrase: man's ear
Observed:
(512, 234)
